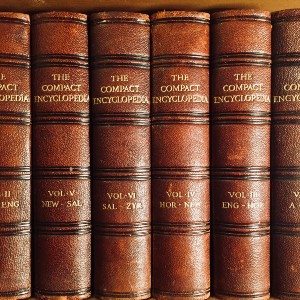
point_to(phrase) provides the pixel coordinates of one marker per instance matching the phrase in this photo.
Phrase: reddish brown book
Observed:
(15, 149)
(180, 155)
(240, 148)
(61, 185)
(120, 88)
(285, 158)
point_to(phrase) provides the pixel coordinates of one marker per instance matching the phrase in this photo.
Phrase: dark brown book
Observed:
(15, 150)
(61, 160)
(240, 149)
(120, 89)
(285, 155)
(180, 155)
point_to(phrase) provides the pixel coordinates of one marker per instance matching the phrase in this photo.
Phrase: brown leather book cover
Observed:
(180, 155)
(15, 149)
(285, 155)
(120, 103)
(61, 159)
(240, 149)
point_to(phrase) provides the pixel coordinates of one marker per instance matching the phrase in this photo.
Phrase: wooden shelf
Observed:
(87, 6)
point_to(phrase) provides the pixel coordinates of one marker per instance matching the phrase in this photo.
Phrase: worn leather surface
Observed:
(61, 159)
(120, 89)
(240, 148)
(15, 149)
(180, 155)
(285, 158)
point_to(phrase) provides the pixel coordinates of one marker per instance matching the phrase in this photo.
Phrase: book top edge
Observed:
(179, 15)
(242, 14)
(58, 15)
(119, 15)
(14, 16)
(286, 15)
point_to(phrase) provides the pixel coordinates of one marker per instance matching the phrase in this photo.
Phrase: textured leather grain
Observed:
(180, 155)
(120, 86)
(15, 149)
(285, 158)
(240, 148)
(61, 159)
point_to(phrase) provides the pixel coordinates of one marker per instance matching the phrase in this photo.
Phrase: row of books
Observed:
(137, 224)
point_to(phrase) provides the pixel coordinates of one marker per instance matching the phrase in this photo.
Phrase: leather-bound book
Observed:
(285, 155)
(15, 148)
(61, 160)
(120, 104)
(240, 149)
(180, 155)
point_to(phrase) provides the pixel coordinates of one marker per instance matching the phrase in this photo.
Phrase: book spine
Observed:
(61, 174)
(285, 158)
(120, 89)
(15, 149)
(240, 142)
(180, 155)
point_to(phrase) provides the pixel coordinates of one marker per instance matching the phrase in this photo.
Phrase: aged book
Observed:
(240, 149)
(180, 155)
(120, 104)
(61, 159)
(285, 155)
(15, 150)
